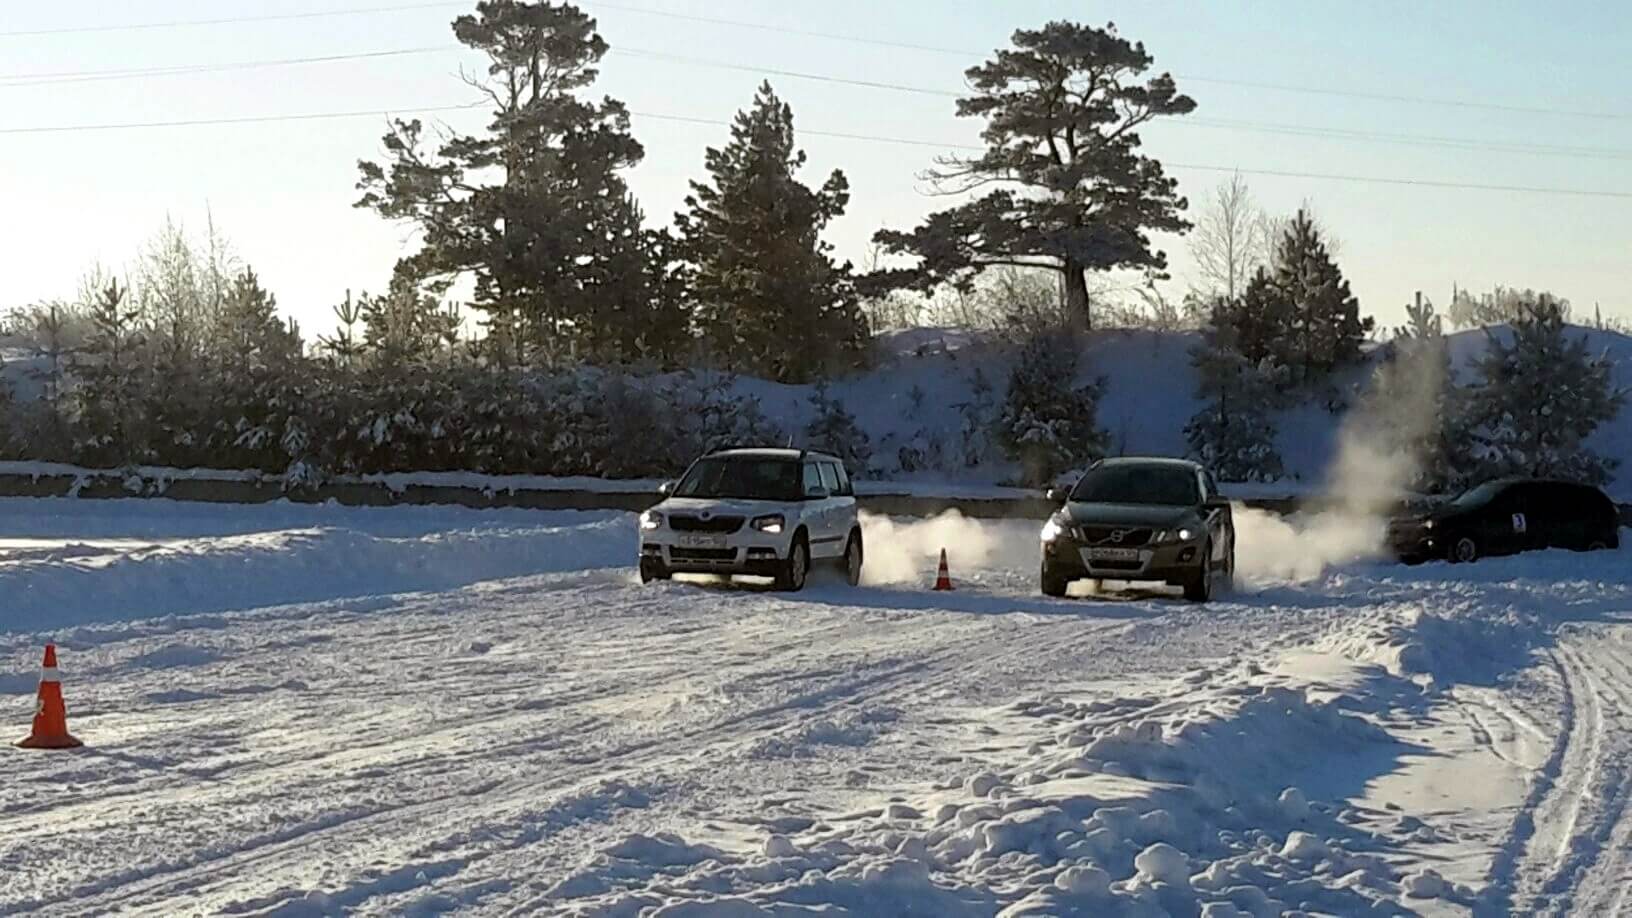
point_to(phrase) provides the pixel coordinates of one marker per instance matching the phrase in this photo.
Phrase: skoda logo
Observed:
(705, 516)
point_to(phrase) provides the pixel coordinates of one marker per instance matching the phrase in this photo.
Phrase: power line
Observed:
(232, 20)
(243, 119)
(84, 76)
(1298, 130)
(870, 138)
(1248, 84)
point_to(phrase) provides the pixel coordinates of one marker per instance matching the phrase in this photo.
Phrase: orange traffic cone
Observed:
(943, 580)
(50, 715)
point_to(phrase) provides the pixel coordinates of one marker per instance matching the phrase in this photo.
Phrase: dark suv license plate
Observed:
(1111, 554)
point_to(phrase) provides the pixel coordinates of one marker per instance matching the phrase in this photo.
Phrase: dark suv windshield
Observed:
(749, 479)
(1138, 484)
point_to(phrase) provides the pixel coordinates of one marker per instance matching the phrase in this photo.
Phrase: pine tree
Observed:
(1233, 434)
(1326, 329)
(769, 297)
(346, 344)
(247, 329)
(1415, 408)
(1258, 322)
(1063, 184)
(1049, 423)
(404, 327)
(834, 430)
(533, 208)
(1539, 396)
(109, 384)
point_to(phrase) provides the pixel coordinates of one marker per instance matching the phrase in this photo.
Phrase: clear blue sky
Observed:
(282, 191)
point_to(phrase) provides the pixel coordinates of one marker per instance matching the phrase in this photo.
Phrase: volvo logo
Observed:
(1117, 535)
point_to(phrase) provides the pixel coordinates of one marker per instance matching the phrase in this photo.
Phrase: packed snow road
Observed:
(319, 710)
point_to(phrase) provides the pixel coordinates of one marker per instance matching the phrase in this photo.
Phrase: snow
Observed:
(310, 710)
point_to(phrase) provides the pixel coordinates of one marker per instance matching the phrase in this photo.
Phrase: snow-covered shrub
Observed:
(1233, 434)
(1048, 422)
(834, 430)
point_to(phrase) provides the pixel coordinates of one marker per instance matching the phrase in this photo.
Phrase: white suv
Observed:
(761, 512)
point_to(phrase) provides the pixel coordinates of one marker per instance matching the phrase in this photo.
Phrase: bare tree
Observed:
(1232, 238)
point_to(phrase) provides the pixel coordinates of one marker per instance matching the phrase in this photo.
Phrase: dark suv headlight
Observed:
(1181, 534)
(1054, 528)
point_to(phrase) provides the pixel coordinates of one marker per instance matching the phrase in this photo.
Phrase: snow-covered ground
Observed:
(309, 710)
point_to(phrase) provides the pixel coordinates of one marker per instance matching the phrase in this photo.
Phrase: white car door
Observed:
(832, 512)
(815, 510)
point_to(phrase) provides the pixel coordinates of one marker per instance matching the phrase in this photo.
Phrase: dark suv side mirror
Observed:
(1057, 495)
(666, 488)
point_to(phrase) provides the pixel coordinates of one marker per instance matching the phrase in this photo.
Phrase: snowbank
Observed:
(66, 563)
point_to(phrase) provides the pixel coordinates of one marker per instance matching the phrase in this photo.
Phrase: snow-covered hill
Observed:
(1149, 397)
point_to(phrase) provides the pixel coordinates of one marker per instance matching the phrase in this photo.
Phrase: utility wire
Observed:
(86, 76)
(231, 20)
(836, 36)
(244, 119)
(968, 54)
(870, 138)
(1298, 130)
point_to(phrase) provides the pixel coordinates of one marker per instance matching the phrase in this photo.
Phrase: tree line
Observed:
(582, 303)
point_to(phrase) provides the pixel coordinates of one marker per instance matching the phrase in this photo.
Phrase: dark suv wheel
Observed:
(1199, 586)
(1053, 584)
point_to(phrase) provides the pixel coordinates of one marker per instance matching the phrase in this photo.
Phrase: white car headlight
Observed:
(651, 519)
(772, 524)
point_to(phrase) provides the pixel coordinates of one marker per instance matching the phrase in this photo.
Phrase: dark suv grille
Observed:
(697, 524)
(721, 555)
(1102, 535)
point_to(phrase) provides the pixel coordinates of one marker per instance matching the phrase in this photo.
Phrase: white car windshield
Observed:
(1138, 484)
(743, 478)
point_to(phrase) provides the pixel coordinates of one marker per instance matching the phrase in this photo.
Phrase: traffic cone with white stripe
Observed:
(50, 714)
(943, 580)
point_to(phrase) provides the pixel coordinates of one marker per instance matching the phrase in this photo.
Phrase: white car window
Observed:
(830, 478)
(813, 478)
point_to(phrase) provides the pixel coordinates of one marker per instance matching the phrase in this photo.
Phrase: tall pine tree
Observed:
(1326, 327)
(769, 297)
(534, 208)
(1062, 185)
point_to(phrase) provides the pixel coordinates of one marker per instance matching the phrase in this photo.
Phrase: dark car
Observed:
(1141, 520)
(1508, 516)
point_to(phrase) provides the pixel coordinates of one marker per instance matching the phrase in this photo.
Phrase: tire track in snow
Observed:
(286, 855)
(1568, 850)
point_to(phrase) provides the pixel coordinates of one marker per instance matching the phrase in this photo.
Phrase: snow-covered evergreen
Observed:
(1233, 434)
(1539, 395)
(1049, 420)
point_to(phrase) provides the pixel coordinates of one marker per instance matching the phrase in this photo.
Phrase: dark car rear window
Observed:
(1138, 484)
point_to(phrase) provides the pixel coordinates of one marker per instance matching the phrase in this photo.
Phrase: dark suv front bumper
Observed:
(1175, 562)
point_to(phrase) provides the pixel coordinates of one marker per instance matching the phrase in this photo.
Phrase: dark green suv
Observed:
(1141, 520)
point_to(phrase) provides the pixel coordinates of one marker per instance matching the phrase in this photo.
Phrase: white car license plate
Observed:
(702, 541)
(1111, 554)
